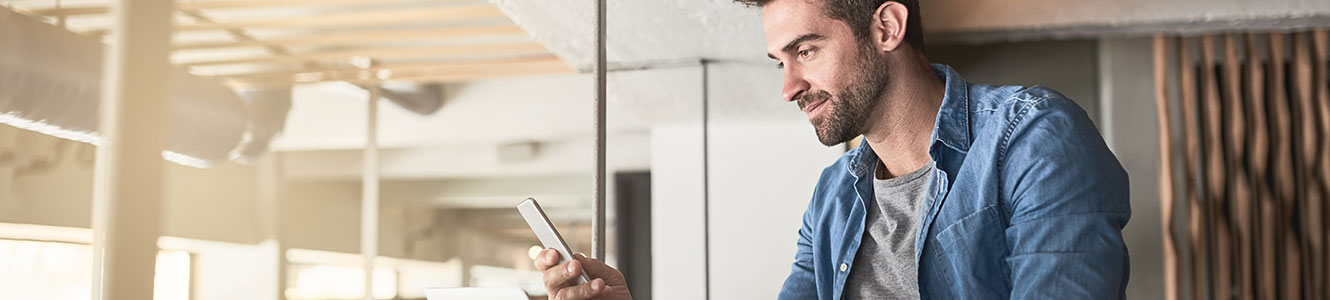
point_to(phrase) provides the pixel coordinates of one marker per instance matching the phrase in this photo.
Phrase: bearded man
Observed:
(959, 190)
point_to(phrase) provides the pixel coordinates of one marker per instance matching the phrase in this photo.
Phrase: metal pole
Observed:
(127, 181)
(598, 179)
(369, 204)
(706, 181)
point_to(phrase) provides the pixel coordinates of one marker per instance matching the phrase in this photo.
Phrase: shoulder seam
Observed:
(1004, 144)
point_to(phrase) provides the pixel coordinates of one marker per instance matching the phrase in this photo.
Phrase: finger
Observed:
(548, 258)
(560, 276)
(594, 268)
(585, 291)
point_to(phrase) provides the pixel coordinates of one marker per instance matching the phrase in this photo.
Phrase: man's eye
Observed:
(804, 53)
(780, 65)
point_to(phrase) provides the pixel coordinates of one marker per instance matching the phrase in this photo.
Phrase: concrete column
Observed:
(127, 184)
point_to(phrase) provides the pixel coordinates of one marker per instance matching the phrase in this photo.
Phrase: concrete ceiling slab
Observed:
(642, 31)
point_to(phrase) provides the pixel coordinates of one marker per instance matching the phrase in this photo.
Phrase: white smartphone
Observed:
(549, 237)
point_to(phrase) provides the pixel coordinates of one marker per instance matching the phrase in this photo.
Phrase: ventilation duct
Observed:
(420, 99)
(50, 82)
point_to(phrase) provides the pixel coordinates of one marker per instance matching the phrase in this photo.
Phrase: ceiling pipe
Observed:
(50, 82)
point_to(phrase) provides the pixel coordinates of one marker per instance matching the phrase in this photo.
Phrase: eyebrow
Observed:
(795, 43)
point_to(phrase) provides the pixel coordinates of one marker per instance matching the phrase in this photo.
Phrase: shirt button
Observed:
(844, 267)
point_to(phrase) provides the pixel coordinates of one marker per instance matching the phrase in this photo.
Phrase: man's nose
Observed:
(795, 85)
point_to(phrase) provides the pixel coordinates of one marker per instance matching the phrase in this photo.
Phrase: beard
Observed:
(847, 111)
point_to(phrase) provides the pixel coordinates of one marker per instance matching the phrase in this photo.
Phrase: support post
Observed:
(127, 180)
(369, 204)
(598, 178)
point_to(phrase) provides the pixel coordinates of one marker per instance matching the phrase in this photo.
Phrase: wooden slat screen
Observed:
(1252, 113)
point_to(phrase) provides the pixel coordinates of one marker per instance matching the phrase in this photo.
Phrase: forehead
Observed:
(785, 20)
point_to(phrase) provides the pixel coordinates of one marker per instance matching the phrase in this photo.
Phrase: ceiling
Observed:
(511, 65)
(284, 42)
(644, 31)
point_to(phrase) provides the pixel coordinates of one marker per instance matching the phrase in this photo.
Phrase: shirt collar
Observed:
(952, 127)
(953, 117)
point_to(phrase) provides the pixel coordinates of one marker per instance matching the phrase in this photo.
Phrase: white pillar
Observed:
(127, 184)
(369, 204)
(270, 182)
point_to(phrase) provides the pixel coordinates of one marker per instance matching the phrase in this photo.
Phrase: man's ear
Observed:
(888, 26)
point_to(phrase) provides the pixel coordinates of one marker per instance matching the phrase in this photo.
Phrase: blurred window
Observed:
(34, 269)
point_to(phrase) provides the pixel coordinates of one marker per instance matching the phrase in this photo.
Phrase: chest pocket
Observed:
(970, 257)
(977, 237)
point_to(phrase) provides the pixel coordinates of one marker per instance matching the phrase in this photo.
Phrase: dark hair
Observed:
(858, 14)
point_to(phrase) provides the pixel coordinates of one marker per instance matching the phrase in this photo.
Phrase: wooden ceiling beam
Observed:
(350, 20)
(388, 52)
(374, 18)
(371, 36)
(401, 67)
(415, 73)
(208, 5)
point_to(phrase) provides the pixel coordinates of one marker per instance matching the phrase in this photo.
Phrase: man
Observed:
(959, 191)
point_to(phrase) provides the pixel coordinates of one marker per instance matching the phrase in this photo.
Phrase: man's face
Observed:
(833, 77)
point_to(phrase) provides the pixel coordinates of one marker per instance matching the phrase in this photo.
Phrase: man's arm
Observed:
(801, 283)
(1067, 199)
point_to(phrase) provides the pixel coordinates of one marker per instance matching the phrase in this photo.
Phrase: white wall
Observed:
(1070, 67)
(761, 178)
(48, 181)
(677, 267)
(1130, 127)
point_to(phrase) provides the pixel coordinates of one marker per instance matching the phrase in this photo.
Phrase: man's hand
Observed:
(606, 283)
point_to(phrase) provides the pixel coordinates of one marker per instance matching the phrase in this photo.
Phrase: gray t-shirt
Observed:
(884, 267)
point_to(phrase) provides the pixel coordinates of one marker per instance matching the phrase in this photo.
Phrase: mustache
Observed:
(812, 98)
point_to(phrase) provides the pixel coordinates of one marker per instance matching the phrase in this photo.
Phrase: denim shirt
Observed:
(1025, 202)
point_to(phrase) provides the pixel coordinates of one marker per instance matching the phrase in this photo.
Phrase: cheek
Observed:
(830, 73)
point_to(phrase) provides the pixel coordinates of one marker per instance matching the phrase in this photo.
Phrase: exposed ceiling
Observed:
(644, 31)
(483, 48)
(284, 42)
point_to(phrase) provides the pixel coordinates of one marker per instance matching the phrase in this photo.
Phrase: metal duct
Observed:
(50, 82)
(268, 110)
(420, 99)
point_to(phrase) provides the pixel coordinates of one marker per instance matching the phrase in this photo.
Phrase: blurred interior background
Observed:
(484, 103)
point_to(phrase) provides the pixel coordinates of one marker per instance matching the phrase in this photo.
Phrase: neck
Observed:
(902, 124)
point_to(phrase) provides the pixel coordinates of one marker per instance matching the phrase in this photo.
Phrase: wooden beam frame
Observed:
(357, 37)
(388, 52)
(350, 20)
(208, 5)
(334, 74)
(485, 59)
(430, 76)
(438, 74)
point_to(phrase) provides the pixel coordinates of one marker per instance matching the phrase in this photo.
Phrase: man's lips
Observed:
(809, 109)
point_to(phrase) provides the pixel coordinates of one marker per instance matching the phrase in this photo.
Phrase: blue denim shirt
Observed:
(1026, 202)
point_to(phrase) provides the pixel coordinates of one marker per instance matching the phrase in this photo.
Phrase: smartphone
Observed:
(549, 237)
